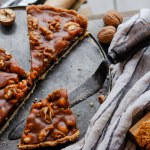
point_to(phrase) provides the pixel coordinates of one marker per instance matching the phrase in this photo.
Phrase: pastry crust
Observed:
(51, 143)
(50, 122)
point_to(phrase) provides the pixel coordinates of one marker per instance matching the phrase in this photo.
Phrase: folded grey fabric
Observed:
(130, 94)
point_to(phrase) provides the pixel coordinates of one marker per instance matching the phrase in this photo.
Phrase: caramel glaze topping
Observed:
(51, 32)
(49, 119)
(13, 85)
(9, 64)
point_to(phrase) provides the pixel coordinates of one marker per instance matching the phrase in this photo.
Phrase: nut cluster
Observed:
(111, 20)
(72, 27)
(15, 92)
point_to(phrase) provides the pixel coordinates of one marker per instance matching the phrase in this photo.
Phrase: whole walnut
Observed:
(113, 18)
(106, 34)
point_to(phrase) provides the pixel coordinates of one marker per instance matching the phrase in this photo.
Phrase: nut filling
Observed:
(51, 32)
(51, 121)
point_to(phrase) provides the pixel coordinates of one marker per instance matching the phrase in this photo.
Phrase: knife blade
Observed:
(91, 86)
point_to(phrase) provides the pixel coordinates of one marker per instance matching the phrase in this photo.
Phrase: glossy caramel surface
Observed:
(49, 119)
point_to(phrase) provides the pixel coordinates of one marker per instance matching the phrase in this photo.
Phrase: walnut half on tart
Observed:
(50, 122)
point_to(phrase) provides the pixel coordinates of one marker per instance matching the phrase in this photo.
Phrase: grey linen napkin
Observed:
(130, 94)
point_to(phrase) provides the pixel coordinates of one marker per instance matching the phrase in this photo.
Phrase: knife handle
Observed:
(139, 40)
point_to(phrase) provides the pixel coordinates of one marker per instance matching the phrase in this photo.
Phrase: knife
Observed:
(118, 54)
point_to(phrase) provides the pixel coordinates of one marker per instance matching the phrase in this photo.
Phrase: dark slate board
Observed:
(71, 72)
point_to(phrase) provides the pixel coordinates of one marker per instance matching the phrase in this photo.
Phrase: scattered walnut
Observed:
(113, 18)
(54, 25)
(46, 114)
(7, 16)
(101, 98)
(106, 34)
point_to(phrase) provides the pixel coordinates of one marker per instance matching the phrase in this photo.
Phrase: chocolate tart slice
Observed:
(14, 86)
(53, 32)
(50, 122)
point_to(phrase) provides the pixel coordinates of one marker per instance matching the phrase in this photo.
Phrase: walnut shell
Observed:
(113, 18)
(106, 34)
(7, 17)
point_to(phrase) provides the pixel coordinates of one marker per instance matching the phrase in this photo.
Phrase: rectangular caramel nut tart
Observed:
(14, 85)
(50, 122)
(53, 32)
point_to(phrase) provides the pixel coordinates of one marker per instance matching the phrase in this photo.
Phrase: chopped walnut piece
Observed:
(59, 129)
(2, 64)
(7, 16)
(16, 91)
(33, 39)
(62, 127)
(44, 132)
(57, 134)
(71, 26)
(44, 112)
(9, 92)
(54, 25)
(26, 138)
(11, 82)
(46, 32)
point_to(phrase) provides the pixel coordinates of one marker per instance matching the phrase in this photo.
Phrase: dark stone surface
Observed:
(70, 73)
